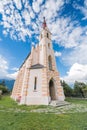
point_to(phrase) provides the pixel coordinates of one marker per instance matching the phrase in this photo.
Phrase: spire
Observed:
(44, 23)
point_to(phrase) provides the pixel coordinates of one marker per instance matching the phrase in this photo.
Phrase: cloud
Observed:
(76, 55)
(27, 21)
(57, 54)
(77, 72)
(33, 44)
(18, 4)
(51, 8)
(15, 69)
(36, 5)
(14, 22)
(4, 69)
(19, 18)
(26, 17)
(13, 75)
(22, 20)
(67, 33)
(82, 8)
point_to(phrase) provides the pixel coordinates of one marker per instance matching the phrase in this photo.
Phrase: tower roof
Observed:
(44, 23)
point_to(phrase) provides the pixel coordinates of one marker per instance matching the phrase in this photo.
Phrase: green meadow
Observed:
(22, 117)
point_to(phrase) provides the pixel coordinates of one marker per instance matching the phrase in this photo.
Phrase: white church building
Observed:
(38, 81)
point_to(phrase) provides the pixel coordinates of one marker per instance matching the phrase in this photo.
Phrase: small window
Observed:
(41, 36)
(35, 83)
(50, 62)
(48, 45)
(47, 35)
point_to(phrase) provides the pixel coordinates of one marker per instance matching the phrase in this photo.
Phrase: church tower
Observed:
(38, 81)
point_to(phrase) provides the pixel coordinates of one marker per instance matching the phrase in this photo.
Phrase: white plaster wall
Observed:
(37, 101)
(35, 97)
(35, 57)
(41, 55)
(44, 42)
(44, 33)
(35, 73)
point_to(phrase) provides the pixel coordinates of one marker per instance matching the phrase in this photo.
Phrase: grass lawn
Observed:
(15, 117)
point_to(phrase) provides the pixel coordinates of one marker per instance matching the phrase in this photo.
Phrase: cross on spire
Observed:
(44, 23)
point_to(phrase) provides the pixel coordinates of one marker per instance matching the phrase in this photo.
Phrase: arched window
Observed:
(47, 35)
(50, 62)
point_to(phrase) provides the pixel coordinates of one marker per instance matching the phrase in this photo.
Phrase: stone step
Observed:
(57, 103)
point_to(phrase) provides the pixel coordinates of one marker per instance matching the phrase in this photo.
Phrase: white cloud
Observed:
(77, 55)
(32, 15)
(77, 72)
(15, 69)
(13, 75)
(17, 23)
(67, 33)
(13, 20)
(18, 4)
(4, 67)
(26, 17)
(36, 6)
(82, 8)
(33, 44)
(57, 54)
(50, 10)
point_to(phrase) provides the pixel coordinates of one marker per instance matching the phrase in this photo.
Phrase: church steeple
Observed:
(45, 33)
(44, 23)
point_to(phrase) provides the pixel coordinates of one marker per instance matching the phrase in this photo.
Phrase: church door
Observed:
(52, 90)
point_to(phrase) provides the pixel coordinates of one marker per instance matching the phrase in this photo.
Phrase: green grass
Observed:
(16, 117)
(8, 103)
(76, 101)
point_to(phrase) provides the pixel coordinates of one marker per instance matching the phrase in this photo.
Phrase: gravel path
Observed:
(71, 108)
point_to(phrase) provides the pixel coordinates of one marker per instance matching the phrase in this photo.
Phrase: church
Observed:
(38, 81)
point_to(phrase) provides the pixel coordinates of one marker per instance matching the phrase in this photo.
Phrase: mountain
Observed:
(8, 82)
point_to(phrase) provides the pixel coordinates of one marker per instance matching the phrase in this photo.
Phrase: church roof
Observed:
(36, 66)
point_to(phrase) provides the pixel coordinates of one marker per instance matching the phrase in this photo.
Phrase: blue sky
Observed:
(20, 26)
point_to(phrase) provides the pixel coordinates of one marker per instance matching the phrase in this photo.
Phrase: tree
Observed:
(85, 92)
(3, 83)
(3, 87)
(68, 91)
(78, 89)
(0, 94)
